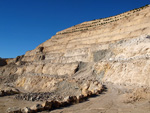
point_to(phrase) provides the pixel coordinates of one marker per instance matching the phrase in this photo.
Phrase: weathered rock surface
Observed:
(7, 90)
(14, 110)
(77, 61)
(26, 110)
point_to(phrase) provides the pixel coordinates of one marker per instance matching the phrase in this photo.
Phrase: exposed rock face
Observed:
(121, 49)
(6, 90)
(77, 60)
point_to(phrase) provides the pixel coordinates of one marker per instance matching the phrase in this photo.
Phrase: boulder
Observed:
(70, 99)
(47, 105)
(14, 110)
(80, 98)
(37, 107)
(26, 110)
(95, 87)
(85, 89)
(55, 104)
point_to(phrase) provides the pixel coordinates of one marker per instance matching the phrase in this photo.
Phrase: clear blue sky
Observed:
(24, 24)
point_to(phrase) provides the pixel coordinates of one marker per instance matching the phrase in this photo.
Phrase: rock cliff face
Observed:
(114, 49)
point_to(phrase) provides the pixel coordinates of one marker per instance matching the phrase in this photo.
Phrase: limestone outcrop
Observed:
(78, 60)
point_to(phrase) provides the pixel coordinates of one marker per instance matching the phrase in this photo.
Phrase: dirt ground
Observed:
(110, 101)
(9, 102)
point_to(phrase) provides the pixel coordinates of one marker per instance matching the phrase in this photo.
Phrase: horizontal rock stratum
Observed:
(114, 49)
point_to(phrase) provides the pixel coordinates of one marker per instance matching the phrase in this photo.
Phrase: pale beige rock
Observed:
(20, 70)
(98, 51)
(38, 69)
(30, 68)
(37, 83)
(47, 105)
(14, 110)
(123, 42)
(26, 110)
(85, 90)
(37, 107)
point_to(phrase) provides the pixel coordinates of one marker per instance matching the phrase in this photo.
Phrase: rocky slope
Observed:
(78, 60)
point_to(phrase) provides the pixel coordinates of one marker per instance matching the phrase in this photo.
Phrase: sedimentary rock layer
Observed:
(114, 49)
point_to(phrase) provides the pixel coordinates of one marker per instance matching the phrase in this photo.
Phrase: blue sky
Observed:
(24, 24)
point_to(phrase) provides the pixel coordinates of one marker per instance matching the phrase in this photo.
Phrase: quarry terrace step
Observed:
(117, 52)
(99, 22)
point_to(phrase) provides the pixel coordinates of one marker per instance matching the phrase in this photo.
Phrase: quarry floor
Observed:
(109, 101)
(9, 102)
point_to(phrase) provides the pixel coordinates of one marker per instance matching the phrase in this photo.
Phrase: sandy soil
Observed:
(108, 102)
(111, 101)
(9, 102)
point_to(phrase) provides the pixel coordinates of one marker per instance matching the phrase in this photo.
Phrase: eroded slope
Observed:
(76, 61)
